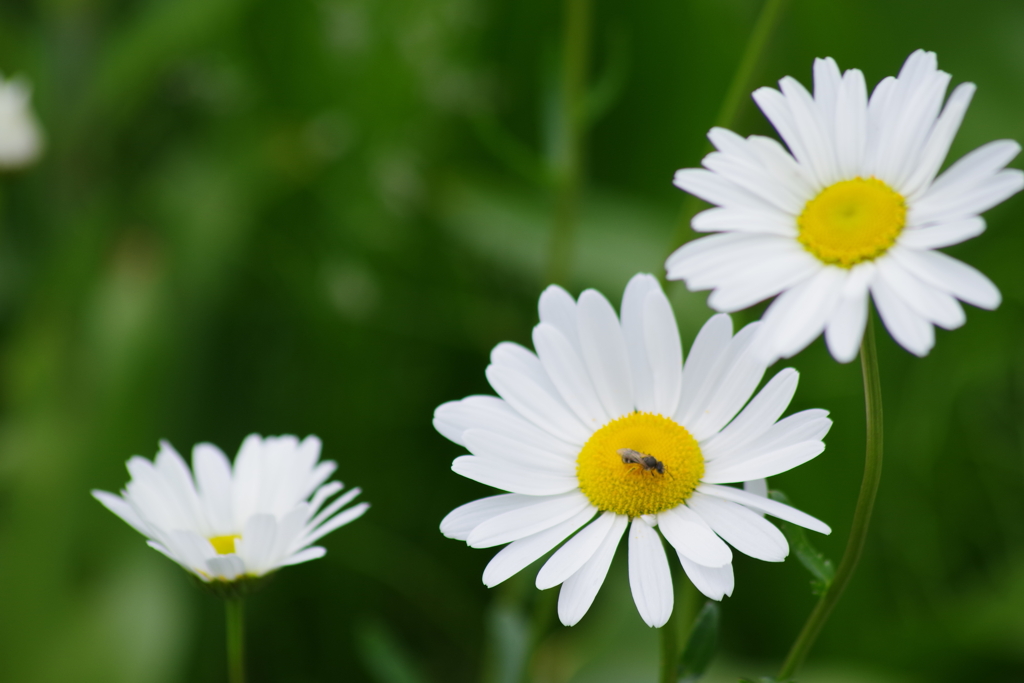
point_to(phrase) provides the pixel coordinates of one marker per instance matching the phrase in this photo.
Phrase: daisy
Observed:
(855, 208)
(228, 524)
(605, 429)
(21, 138)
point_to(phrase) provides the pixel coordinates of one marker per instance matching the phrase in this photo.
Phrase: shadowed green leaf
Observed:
(820, 567)
(701, 645)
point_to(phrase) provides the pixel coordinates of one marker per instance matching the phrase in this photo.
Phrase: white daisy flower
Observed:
(21, 138)
(606, 421)
(228, 524)
(856, 207)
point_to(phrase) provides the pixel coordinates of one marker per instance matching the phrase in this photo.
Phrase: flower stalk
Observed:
(235, 640)
(567, 164)
(861, 516)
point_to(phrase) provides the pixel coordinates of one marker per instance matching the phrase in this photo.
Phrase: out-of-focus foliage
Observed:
(318, 216)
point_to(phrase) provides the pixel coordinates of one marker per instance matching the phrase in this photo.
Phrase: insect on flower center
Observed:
(639, 464)
(224, 545)
(852, 221)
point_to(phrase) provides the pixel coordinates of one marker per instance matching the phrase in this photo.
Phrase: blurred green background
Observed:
(318, 216)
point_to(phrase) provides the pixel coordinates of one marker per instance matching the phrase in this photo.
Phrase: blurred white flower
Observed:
(225, 524)
(853, 209)
(606, 420)
(21, 137)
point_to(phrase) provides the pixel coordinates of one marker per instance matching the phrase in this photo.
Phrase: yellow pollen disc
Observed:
(224, 545)
(631, 488)
(852, 221)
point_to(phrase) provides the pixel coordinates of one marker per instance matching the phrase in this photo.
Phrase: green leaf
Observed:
(701, 645)
(820, 567)
(765, 679)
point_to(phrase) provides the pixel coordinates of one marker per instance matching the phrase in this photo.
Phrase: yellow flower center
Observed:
(224, 545)
(616, 475)
(852, 221)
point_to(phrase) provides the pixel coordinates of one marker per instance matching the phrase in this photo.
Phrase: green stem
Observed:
(740, 85)
(673, 638)
(862, 514)
(568, 161)
(236, 640)
(669, 651)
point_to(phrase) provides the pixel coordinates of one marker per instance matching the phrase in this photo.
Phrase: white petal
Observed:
(753, 178)
(766, 505)
(708, 348)
(723, 260)
(851, 123)
(759, 415)
(939, 140)
(827, 81)
(950, 205)
(746, 531)
(951, 276)
(580, 589)
(604, 351)
(777, 109)
(756, 487)
(637, 289)
(942, 235)
(527, 520)
(715, 189)
(305, 555)
(713, 582)
(782, 269)
(799, 315)
(539, 406)
(811, 129)
(934, 305)
(518, 555)
(462, 520)
(845, 328)
(226, 567)
(763, 464)
(513, 477)
(972, 169)
(498, 447)
(557, 307)
(122, 509)
(909, 329)
(452, 419)
(568, 559)
(213, 477)
(339, 520)
(649, 576)
(664, 352)
(720, 219)
(691, 536)
(738, 373)
(564, 366)
(257, 543)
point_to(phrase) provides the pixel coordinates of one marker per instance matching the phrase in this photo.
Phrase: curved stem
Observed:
(568, 160)
(862, 514)
(766, 21)
(236, 640)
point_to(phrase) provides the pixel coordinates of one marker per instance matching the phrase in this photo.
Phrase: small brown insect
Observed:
(648, 462)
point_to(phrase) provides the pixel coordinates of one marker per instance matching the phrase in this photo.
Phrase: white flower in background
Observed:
(853, 208)
(21, 138)
(605, 421)
(226, 524)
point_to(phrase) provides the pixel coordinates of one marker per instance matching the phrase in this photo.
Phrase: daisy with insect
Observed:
(604, 430)
(855, 207)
